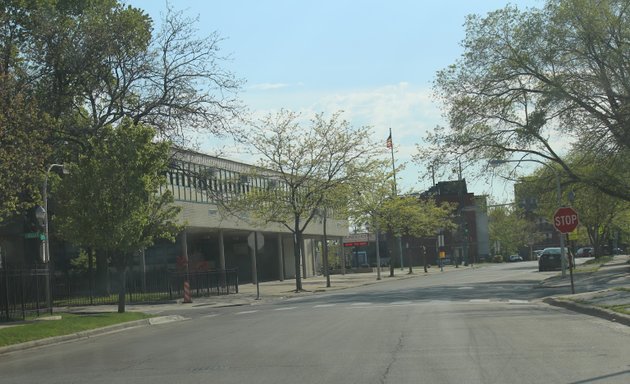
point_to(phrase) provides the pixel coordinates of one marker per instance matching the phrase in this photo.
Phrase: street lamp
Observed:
(378, 252)
(46, 248)
(322, 213)
(558, 198)
(45, 198)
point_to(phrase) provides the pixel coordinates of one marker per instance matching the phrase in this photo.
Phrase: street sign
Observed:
(565, 220)
(259, 240)
(356, 244)
(35, 235)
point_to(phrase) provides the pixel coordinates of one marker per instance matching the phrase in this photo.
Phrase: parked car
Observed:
(514, 258)
(584, 252)
(537, 253)
(550, 259)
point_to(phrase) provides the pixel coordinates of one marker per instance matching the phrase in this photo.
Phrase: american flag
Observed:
(389, 143)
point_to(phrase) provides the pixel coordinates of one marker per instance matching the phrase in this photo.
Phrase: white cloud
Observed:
(407, 109)
(272, 86)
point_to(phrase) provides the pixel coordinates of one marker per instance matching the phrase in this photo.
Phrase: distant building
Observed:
(209, 240)
(469, 242)
(527, 200)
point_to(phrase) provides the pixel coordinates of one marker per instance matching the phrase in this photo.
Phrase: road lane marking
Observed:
(516, 301)
(324, 305)
(246, 312)
(479, 300)
(212, 315)
(284, 309)
(357, 304)
(404, 302)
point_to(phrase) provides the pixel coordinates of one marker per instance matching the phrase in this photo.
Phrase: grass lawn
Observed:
(69, 323)
(592, 265)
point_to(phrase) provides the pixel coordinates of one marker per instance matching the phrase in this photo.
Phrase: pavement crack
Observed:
(395, 352)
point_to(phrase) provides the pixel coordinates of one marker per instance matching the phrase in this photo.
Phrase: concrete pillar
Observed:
(314, 256)
(184, 247)
(303, 254)
(280, 257)
(253, 260)
(221, 251)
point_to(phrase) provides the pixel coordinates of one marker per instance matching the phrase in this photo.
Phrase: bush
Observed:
(497, 259)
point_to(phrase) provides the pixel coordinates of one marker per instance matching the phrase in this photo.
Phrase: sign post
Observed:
(256, 241)
(565, 220)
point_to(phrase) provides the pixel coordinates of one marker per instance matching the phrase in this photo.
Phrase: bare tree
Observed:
(304, 167)
(538, 82)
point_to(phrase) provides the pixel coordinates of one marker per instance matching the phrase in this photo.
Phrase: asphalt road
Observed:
(485, 325)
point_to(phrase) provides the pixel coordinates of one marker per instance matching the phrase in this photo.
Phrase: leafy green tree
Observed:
(24, 131)
(306, 167)
(598, 212)
(112, 199)
(93, 63)
(531, 81)
(413, 216)
(509, 229)
(397, 215)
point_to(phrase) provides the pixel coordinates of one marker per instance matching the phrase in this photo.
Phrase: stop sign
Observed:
(565, 219)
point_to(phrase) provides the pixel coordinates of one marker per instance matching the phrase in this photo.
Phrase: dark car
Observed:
(584, 252)
(550, 259)
(515, 258)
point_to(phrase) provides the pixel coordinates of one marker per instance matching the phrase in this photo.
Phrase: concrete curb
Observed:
(90, 333)
(591, 310)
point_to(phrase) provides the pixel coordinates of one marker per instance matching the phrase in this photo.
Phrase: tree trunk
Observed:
(423, 249)
(122, 275)
(90, 255)
(392, 259)
(297, 240)
(120, 260)
(102, 284)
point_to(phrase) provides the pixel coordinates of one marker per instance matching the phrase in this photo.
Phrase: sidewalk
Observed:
(597, 293)
(275, 290)
(612, 283)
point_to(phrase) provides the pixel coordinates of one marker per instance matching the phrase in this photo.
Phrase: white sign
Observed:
(357, 238)
(259, 240)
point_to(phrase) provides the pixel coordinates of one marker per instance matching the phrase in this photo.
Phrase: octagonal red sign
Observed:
(565, 220)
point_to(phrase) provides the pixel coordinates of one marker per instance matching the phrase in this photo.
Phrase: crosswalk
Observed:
(367, 305)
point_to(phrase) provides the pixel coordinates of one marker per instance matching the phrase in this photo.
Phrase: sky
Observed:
(374, 60)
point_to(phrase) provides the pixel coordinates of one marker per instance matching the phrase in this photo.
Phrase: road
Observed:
(482, 325)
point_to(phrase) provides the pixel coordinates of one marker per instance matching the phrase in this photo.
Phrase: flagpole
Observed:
(390, 144)
(391, 147)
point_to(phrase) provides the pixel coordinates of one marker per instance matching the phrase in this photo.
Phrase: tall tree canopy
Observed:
(93, 63)
(23, 149)
(539, 82)
(306, 167)
(112, 200)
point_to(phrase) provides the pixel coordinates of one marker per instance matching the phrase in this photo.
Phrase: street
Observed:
(482, 325)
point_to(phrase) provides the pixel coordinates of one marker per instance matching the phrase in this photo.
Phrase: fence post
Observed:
(36, 276)
(6, 283)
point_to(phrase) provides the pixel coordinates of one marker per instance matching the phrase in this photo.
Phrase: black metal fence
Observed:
(24, 292)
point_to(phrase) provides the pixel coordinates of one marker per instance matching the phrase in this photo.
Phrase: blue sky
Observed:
(375, 60)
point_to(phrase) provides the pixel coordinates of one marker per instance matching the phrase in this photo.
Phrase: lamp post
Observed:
(46, 248)
(42, 217)
(322, 213)
(378, 252)
(558, 201)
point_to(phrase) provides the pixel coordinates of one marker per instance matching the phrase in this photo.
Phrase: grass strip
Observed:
(69, 323)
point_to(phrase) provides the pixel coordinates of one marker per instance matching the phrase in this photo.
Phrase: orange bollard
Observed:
(187, 298)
